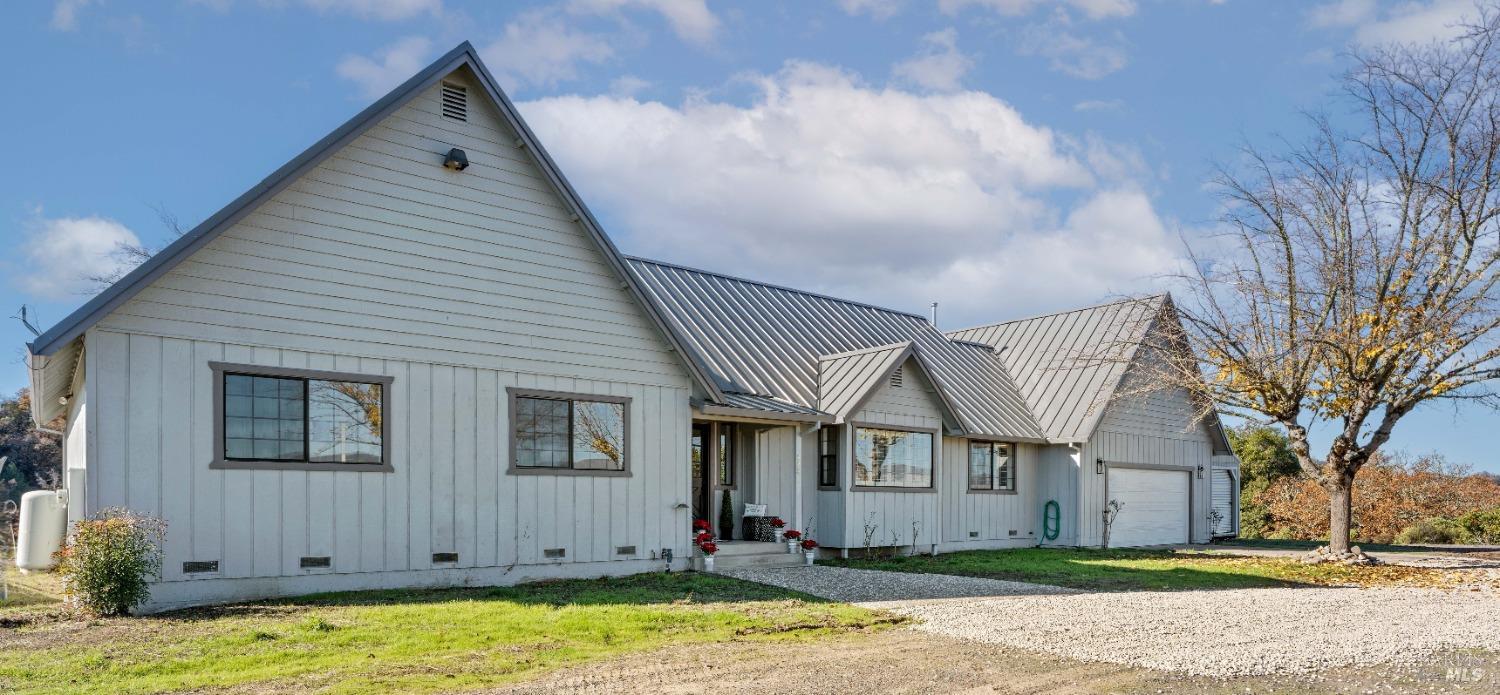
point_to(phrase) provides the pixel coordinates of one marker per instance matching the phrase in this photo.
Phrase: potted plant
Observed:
(708, 548)
(809, 550)
(778, 525)
(701, 526)
(791, 536)
(703, 537)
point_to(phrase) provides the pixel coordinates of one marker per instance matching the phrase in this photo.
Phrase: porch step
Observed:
(749, 554)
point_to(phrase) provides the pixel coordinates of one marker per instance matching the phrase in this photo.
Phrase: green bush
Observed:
(726, 517)
(1483, 527)
(1439, 530)
(110, 559)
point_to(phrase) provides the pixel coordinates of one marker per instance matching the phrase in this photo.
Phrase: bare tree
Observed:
(128, 256)
(1358, 279)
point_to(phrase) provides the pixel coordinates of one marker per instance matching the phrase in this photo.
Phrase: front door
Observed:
(702, 440)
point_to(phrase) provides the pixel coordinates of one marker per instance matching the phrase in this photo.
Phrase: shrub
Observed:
(726, 517)
(109, 560)
(1483, 526)
(1438, 530)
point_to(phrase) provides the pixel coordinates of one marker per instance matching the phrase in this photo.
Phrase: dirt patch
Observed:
(907, 661)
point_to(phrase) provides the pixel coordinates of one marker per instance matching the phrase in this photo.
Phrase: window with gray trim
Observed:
(991, 466)
(828, 456)
(284, 417)
(569, 434)
(892, 458)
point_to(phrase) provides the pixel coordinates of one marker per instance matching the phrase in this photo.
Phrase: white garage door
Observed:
(1154, 507)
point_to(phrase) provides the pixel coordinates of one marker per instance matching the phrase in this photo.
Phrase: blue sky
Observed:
(1001, 157)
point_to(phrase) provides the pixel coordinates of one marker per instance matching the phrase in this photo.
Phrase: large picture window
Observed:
(296, 418)
(992, 467)
(892, 458)
(564, 433)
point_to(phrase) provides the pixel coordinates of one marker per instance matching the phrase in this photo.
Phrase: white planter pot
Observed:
(808, 556)
(791, 546)
(708, 563)
(779, 536)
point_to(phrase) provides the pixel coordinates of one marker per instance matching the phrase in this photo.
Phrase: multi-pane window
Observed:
(991, 466)
(725, 452)
(892, 458)
(567, 433)
(828, 456)
(286, 418)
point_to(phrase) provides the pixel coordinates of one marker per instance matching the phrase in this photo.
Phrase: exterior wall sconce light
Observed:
(456, 160)
(1200, 470)
(1099, 466)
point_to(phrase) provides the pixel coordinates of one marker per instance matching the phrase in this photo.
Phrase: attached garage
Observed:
(1154, 506)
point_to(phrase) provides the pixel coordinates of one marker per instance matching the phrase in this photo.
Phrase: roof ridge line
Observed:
(1090, 307)
(772, 285)
(865, 351)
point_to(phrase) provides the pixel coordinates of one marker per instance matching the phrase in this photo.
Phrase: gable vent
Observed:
(456, 102)
(896, 377)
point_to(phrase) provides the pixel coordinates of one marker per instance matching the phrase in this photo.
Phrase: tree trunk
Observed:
(1340, 498)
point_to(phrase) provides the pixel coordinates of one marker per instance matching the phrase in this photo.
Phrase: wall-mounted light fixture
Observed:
(456, 160)
(1200, 470)
(1099, 466)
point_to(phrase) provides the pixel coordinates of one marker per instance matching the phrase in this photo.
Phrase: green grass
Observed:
(25, 593)
(1150, 570)
(409, 641)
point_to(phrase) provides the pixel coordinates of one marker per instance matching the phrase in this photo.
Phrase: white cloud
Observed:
(824, 182)
(394, 65)
(691, 20)
(65, 13)
(1093, 9)
(388, 10)
(539, 49)
(1404, 22)
(879, 9)
(64, 252)
(627, 86)
(1084, 57)
(939, 65)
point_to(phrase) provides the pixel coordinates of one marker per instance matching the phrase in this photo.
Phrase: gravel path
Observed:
(875, 586)
(1222, 633)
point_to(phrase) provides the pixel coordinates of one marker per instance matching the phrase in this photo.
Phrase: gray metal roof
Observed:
(766, 340)
(74, 325)
(763, 407)
(1069, 364)
(846, 379)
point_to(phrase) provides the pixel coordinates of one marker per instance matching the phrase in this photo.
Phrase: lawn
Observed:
(405, 641)
(25, 593)
(1156, 570)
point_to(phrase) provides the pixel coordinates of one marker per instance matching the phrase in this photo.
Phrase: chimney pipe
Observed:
(934, 314)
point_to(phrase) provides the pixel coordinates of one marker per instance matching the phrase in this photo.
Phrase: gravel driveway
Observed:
(1220, 633)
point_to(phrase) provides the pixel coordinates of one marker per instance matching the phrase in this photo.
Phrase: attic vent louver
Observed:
(456, 102)
(896, 378)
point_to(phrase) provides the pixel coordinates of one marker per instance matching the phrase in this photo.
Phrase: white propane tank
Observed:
(44, 522)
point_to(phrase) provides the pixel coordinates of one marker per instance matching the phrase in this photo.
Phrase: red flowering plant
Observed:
(703, 537)
(809, 544)
(702, 525)
(776, 522)
(708, 548)
(792, 534)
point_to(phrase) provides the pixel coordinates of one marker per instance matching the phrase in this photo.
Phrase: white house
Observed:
(412, 357)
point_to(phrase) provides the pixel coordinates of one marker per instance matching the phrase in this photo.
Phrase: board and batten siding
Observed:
(989, 516)
(1158, 428)
(913, 405)
(1056, 480)
(458, 285)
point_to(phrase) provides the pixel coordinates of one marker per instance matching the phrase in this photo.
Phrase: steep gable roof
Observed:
(1068, 365)
(62, 336)
(766, 340)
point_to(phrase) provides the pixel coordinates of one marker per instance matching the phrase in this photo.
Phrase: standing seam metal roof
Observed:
(1069, 364)
(766, 340)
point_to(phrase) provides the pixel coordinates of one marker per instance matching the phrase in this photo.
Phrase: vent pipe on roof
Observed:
(934, 314)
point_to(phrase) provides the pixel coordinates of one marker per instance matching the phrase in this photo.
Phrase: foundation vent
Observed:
(444, 557)
(555, 553)
(312, 563)
(625, 550)
(200, 566)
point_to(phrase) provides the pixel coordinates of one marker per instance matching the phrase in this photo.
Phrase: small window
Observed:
(297, 418)
(828, 456)
(564, 433)
(991, 466)
(724, 450)
(892, 458)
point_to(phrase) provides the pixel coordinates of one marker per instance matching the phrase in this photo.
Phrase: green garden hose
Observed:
(1051, 520)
